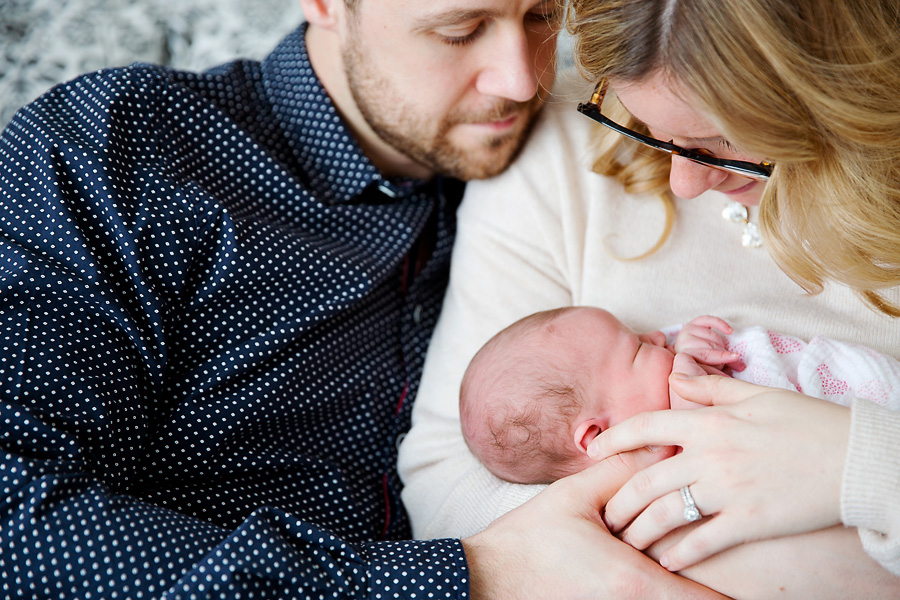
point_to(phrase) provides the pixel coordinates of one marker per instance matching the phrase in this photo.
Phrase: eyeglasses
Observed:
(760, 172)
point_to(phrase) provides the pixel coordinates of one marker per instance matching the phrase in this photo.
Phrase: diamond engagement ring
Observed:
(691, 512)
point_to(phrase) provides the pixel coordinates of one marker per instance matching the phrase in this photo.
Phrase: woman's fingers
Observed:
(640, 493)
(747, 465)
(715, 391)
(711, 537)
(656, 428)
(601, 481)
(674, 427)
(662, 516)
(718, 532)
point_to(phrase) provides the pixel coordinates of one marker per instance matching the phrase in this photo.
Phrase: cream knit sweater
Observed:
(540, 236)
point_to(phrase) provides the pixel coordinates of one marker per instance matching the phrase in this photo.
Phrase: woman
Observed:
(810, 90)
(801, 92)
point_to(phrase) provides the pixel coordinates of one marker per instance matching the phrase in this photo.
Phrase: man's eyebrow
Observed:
(451, 17)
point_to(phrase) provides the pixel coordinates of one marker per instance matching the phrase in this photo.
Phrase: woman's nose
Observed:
(689, 179)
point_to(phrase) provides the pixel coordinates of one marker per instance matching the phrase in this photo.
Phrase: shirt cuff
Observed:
(431, 569)
(870, 495)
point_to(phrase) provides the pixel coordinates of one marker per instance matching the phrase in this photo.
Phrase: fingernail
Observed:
(592, 450)
(654, 449)
(664, 561)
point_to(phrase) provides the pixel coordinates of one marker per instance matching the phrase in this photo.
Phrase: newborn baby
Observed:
(537, 393)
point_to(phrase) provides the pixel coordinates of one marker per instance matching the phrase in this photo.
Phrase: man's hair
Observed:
(512, 404)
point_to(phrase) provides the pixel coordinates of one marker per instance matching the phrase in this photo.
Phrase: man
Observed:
(217, 292)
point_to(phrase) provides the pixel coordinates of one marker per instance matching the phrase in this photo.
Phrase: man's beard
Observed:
(398, 124)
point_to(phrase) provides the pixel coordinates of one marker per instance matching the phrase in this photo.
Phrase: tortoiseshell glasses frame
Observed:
(758, 171)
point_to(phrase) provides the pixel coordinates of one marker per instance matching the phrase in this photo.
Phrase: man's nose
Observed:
(509, 70)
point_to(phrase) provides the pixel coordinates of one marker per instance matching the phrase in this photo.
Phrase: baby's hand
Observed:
(686, 364)
(704, 339)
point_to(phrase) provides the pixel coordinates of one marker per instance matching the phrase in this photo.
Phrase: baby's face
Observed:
(620, 373)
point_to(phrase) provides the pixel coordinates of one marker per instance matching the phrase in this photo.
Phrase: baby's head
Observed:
(539, 391)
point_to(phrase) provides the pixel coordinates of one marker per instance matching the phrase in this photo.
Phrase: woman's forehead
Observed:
(665, 109)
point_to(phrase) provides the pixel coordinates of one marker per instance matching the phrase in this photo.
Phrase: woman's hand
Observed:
(556, 546)
(685, 364)
(760, 463)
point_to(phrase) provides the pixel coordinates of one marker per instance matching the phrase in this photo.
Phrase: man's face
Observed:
(454, 85)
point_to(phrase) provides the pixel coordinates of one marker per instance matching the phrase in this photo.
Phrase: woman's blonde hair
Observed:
(811, 85)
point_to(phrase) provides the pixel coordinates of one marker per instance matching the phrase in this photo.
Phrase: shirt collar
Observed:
(318, 135)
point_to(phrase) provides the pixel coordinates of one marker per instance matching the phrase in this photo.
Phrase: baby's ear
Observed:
(586, 431)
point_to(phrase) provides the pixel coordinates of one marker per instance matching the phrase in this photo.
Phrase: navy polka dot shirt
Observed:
(214, 318)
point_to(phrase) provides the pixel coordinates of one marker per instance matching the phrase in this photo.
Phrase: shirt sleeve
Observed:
(86, 305)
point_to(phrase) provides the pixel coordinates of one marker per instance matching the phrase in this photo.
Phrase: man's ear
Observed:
(586, 431)
(323, 13)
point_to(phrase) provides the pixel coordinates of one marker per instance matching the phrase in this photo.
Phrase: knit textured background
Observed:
(45, 42)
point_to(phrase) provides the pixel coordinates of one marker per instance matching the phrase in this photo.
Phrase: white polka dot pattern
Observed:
(214, 317)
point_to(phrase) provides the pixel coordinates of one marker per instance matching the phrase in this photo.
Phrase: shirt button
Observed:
(387, 190)
(417, 314)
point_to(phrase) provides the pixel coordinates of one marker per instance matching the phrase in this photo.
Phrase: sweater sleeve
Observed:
(870, 498)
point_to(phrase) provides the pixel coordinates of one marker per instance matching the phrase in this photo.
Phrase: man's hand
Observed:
(556, 545)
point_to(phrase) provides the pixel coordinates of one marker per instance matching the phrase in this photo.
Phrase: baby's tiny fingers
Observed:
(703, 334)
(712, 356)
(713, 322)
